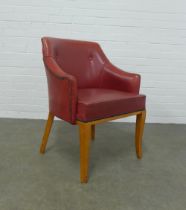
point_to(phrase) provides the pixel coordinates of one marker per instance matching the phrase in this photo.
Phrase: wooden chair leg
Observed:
(46, 133)
(85, 138)
(140, 121)
(92, 132)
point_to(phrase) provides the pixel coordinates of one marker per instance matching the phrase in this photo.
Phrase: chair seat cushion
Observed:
(97, 103)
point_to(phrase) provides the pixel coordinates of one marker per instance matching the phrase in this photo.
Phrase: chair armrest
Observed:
(115, 78)
(62, 90)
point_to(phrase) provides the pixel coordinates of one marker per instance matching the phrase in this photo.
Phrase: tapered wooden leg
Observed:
(85, 138)
(46, 133)
(92, 132)
(140, 121)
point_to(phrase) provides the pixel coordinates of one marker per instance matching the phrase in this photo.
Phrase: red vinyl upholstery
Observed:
(96, 103)
(83, 84)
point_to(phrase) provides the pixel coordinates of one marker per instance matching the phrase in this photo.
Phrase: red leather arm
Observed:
(115, 78)
(62, 89)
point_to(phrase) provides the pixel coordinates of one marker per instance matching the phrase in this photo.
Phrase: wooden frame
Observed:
(87, 132)
(47, 132)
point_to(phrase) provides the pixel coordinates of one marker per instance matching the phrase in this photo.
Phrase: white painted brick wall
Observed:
(146, 36)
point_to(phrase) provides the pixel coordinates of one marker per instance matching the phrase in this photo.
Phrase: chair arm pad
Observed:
(62, 89)
(115, 78)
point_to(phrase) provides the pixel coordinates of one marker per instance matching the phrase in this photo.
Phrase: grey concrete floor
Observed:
(118, 181)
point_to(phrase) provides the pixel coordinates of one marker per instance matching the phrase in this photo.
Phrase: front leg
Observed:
(47, 132)
(85, 137)
(140, 121)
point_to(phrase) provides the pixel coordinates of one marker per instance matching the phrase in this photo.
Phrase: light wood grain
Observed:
(85, 138)
(46, 132)
(140, 121)
(87, 132)
(108, 119)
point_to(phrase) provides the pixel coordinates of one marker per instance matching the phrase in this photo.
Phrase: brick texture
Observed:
(147, 37)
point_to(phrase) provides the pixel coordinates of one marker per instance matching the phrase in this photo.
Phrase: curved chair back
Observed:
(82, 59)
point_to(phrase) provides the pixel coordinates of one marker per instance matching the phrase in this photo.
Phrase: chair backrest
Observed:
(82, 59)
